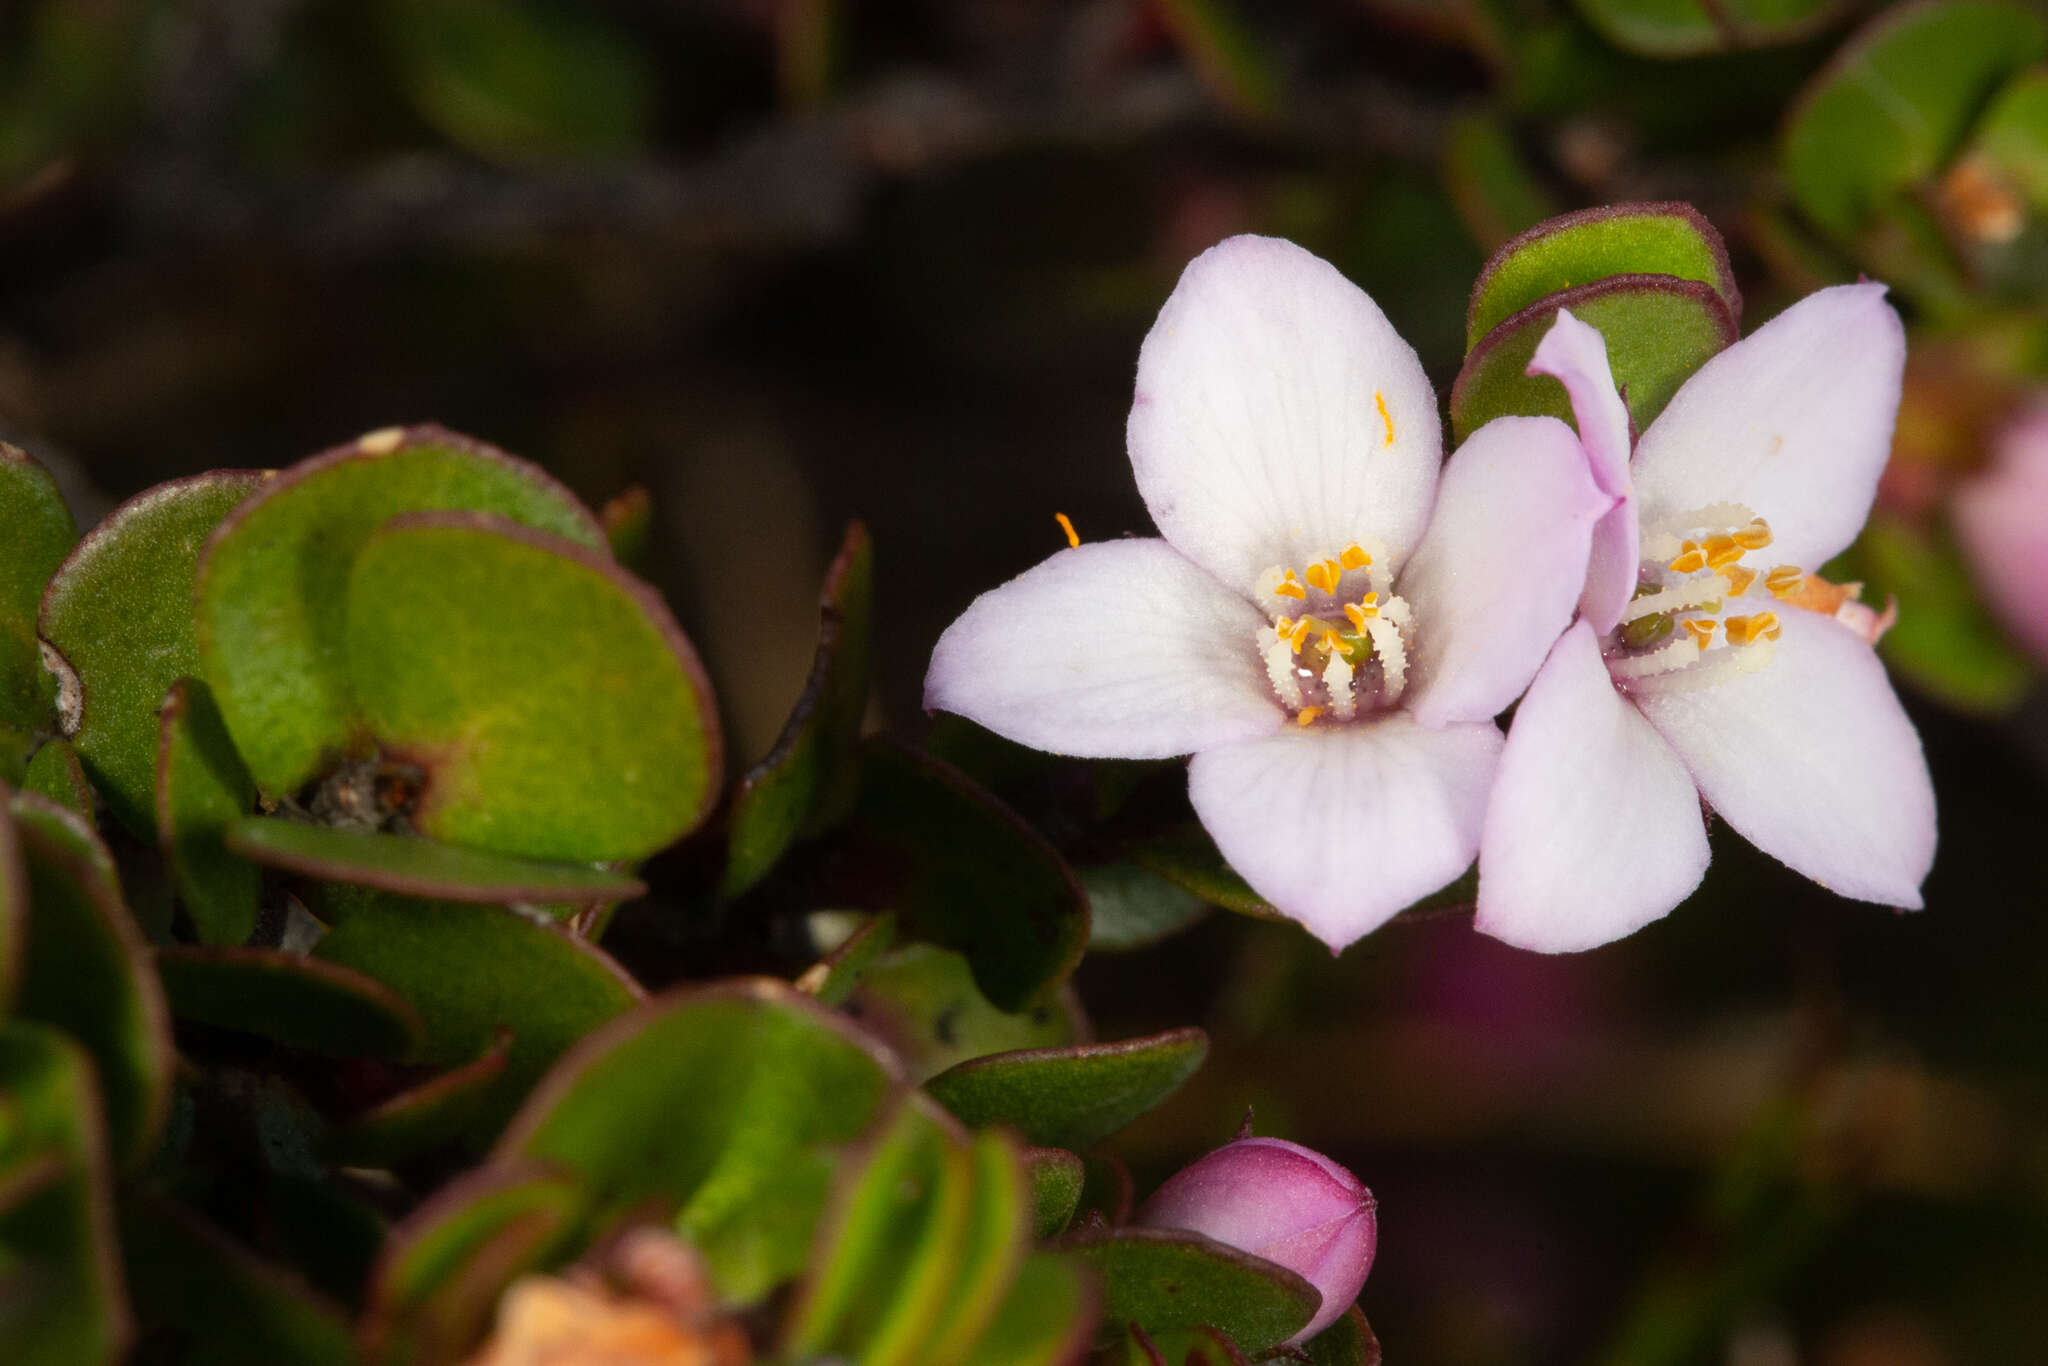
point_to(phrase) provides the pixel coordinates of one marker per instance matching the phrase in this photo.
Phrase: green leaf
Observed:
(833, 978)
(427, 1117)
(724, 1100)
(472, 970)
(436, 1286)
(2011, 141)
(516, 81)
(579, 727)
(87, 971)
(62, 1303)
(1071, 1097)
(118, 615)
(1582, 248)
(1658, 329)
(39, 534)
(1895, 103)
(1945, 642)
(201, 788)
(417, 867)
(1046, 1320)
(55, 773)
(1056, 1177)
(1494, 190)
(1188, 859)
(193, 1283)
(976, 878)
(1134, 908)
(1689, 28)
(1164, 1280)
(289, 999)
(1347, 1342)
(273, 590)
(810, 778)
(921, 1000)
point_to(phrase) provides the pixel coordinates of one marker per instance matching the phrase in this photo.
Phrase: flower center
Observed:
(1336, 646)
(1693, 622)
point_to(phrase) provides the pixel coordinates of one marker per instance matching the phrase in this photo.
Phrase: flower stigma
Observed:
(1335, 648)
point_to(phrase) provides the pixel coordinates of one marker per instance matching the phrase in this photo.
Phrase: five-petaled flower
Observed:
(1327, 625)
(1709, 660)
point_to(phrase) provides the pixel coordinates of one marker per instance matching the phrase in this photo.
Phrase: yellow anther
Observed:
(1073, 536)
(1722, 550)
(1699, 629)
(1755, 536)
(1354, 557)
(1356, 614)
(1385, 416)
(1691, 558)
(1785, 580)
(1298, 637)
(1288, 588)
(1336, 572)
(1320, 578)
(1307, 715)
(1282, 625)
(1748, 630)
(1332, 643)
(1739, 579)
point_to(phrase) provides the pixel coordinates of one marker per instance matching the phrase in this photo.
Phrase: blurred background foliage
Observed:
(787, 262)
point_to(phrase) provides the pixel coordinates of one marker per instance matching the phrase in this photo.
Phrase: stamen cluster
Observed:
(1344, 652)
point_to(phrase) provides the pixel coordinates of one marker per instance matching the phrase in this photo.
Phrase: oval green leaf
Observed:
(579, 727)
(290, 999)
(1165, 1280)
(1056, 1177)
(88, 972)
(748, 1085)
(417, 867)
(1071, 1097)
(1898, 101)
(40, 533)
(811, 777)
(1133, 907)
(201, 788)
(432, 1115)
(1581, 248)
(273, 589)
(1347, 1342)
(921, 1000)
(1658, 329)
(974, 876)
(471, 971)
(118, 615)
(55, 773)
(64, 1305)
(1046, 1320)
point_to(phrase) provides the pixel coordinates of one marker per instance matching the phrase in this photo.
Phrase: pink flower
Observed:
(1282, 1202)
(1327, 626)
(2001, 518)
(1696, 668)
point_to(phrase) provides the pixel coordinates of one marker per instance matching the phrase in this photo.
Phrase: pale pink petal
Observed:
(1341, 827)
(1575, 355)
(1813, 761)
(1112, 650)
(1279, 417)
(1594, 828)
(1498, 575)
(2001, 519)
(1793, 422)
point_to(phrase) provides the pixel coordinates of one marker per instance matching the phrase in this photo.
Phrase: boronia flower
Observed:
(1327, 626)
(1709, 660)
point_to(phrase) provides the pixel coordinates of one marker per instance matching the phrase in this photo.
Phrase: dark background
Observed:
(901, 273)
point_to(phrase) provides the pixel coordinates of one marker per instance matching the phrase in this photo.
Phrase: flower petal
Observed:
(1594, 828)
(1612, 566)
(1498, 575)
(1279, 417)
(1112, 650)
(1342, 827)
(2004, 536)
(1811, 758)
(1575, 355)
(1794, 422)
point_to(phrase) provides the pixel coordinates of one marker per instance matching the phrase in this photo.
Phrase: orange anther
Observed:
(1320, 578)
(1755, 536)
(1307, 715)
(1785, 580)
(1748, 630)
(1282, 626)
(1691, 559)
(1288, 588)
(1336, 572)
(1722, 550)
(1299, 635)
(1739, 578)
(1354, 557)
(1385, 417)
(1701, 630)
(1357, 615)
(1073, 536)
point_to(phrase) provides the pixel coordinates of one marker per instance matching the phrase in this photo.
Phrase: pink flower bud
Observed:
(1998, 520)
(1282, 1202)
